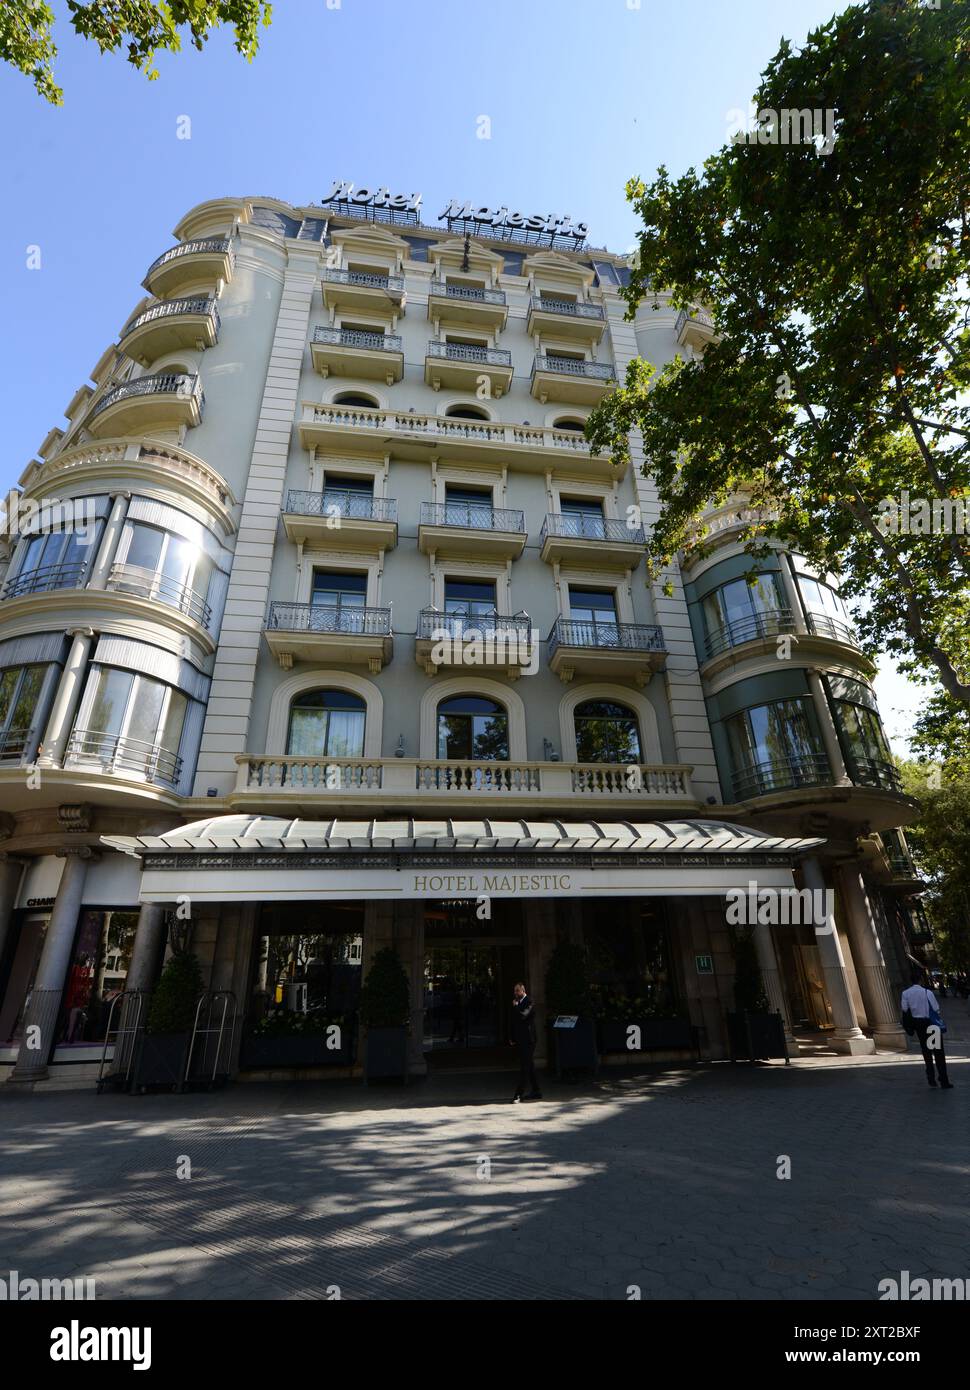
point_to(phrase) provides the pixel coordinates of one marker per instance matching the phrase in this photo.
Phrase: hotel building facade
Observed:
(324, 630)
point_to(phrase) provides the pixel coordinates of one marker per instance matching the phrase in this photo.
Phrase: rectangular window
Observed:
(20, 688)
(470, 598)
(339, 589)
(466, 506)
(775, 746)
(96, 975)
(594, 606)
(582, 518)
(130, 723)
(868, 757)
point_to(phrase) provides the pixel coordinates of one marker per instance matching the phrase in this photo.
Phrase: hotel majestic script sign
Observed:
(381, 205)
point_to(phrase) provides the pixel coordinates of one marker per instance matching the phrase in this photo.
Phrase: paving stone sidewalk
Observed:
(442, 1190)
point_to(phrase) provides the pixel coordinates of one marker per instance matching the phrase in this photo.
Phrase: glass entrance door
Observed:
(461, 1004)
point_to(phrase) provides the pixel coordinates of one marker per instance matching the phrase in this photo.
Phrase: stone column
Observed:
(540, 938)
(848, 1037)
(409, 944)
(101, 569)
(870, 962)
(45, 997)
(768, 962)
(146, 955)
(11, 872)
(66, 700)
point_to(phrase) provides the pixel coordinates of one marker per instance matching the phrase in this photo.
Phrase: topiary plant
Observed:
(568, 988)
(385, 1000)
(174, 1002)
(749, 989)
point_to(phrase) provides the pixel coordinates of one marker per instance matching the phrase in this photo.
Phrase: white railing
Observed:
(404, 779)
(158, 456)
(443, 427)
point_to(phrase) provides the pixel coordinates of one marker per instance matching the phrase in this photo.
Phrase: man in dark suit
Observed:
(524, 1038)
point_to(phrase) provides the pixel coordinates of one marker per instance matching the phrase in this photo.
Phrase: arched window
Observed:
(355, 398)
(326, 724)
(466, 412)
(606, 732)
(569, 423)
(473, 728)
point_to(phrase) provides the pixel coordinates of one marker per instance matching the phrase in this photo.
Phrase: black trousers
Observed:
(930, 1054)
(527, 1071)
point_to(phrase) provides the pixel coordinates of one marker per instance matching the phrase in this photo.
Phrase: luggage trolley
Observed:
(126, 1020)
(210, 1047)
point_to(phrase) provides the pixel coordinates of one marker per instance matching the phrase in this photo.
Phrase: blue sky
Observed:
(580, 96)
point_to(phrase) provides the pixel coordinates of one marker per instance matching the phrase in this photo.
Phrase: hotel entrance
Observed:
(470, 967)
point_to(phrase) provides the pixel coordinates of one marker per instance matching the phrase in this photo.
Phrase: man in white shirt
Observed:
(919, 1003)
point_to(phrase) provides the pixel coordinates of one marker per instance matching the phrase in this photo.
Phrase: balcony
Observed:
(351, 352)
(160, 588)
(832, 630)
(130, 756)
(633, 650)
(470, 529)
(487, 641)
(597, 542)
(694, 328)
(463, 367)
(359, 289)
(570, 379)
(482, 307)
(207, 260)
(781, 774)
(14, 744)
(566, 318)
(167, 400)
(46, 579)
(352, 429)
(277, 782)
(166, 327)
(318, 632)
(873, 772)
(346, 521)
(759, 627)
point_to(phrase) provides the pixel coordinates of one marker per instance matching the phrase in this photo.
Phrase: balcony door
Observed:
(470, 605)
(338, 600)
(350, 497)
(593, 616)
(582, 518)
(470, 507)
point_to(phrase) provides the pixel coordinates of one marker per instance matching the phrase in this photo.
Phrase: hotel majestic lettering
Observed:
(344, 192)
(491, 883)
(498, 218)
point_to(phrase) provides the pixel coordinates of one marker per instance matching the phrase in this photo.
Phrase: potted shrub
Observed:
(568, 991)
(661, 1027)
(163, 1046)
(754, 1031)
(288, 1038)
(385, 1011)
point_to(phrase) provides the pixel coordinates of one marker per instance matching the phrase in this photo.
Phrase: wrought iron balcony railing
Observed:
(48, 577)
(574, 308)
(159, 384)
(781, 773)
(634, 637)
(14, 743)
(147, 583)
(468, 292)
(470, 352)
(695, 315)
(318, 617)
(757, 626)
(821, 625)
(171, 308)
(202, 246)
(433, 624)
(579, 527)
(573, 366)
(357, 338)
(873, 772)
(355, 506)
(898, 855)
(472, 516)
(394, 284)
(148, 760)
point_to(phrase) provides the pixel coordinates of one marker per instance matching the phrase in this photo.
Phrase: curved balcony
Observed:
(873, 772)
(166, 400)
(191, 262)
(126, 755)
(46, 579)
(566, 318)
(322, 633)
(160, 588)
(694, 328)
(781, 774)
(470, 529)
(359, 289)
(470, 304)
(634, 650)
(464, 366)
(346, 521)
(602, 542)
(489, 640)
(351, 352)
(570, 379)
(757, 627)
(166, 327)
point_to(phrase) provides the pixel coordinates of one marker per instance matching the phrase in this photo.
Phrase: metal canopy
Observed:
(276, 833)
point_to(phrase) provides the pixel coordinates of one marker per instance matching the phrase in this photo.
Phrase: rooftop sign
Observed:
(373, 205)
(539, 229)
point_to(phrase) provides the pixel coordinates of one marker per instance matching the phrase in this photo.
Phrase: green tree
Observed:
(174, 1002)
(143, 28)
(836, 273)
(940, 843)
(385, 1000)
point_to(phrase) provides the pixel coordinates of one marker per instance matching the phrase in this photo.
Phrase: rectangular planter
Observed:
(386, 1053)
(656, 1035)
(160, 1061)
(757, 1037)
(573, 1048)
(296, 1050)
